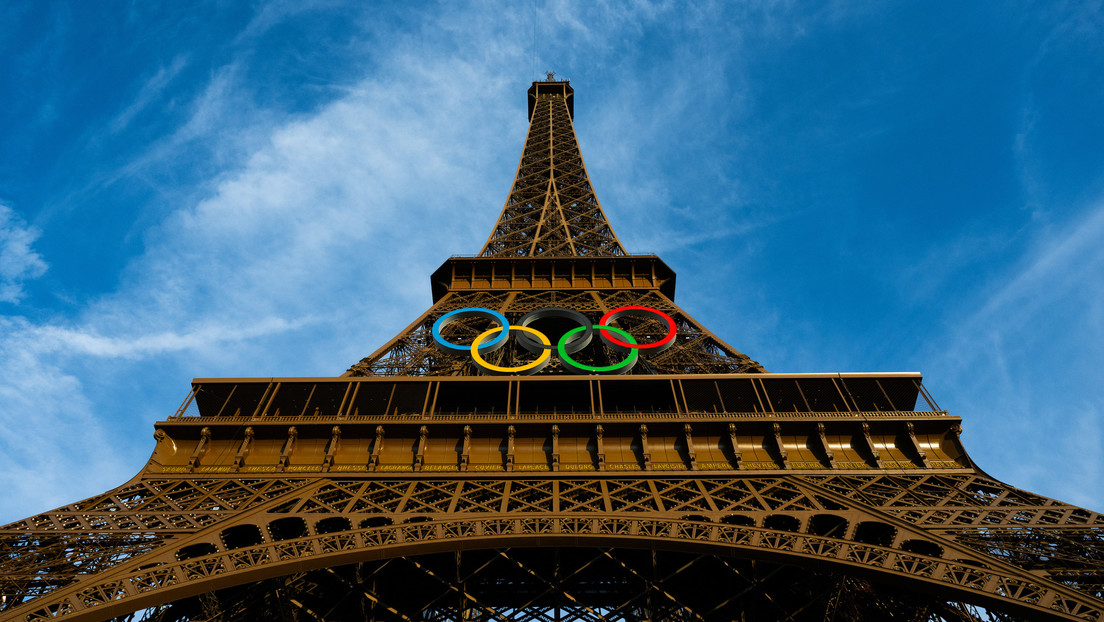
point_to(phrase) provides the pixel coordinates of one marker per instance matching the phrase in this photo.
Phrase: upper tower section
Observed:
(553, 265)
(552, 209)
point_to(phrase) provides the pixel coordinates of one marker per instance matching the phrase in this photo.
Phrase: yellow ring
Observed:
(545, 354)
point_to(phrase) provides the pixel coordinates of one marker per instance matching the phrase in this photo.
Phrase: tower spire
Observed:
(552, 209)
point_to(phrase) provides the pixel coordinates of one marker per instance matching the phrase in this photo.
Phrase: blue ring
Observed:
(452, 316)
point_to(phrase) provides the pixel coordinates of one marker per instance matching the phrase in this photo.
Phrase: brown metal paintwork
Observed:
(701, 454)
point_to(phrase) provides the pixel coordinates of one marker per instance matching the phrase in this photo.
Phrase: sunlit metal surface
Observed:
(695, 487)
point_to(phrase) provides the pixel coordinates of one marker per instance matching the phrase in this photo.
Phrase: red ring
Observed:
(671, 334)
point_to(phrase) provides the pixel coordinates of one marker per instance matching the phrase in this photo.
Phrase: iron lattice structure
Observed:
(552, 246)
(696, 487)
(552, 210)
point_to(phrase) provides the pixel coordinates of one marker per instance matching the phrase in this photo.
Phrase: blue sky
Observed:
(262, 189)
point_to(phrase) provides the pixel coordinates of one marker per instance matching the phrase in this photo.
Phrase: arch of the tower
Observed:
(827, 544)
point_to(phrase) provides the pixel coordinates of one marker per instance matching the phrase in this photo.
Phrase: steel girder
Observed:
(552, 209)
(901, 538)
(567, 585)
(412, 353)
(987, 544)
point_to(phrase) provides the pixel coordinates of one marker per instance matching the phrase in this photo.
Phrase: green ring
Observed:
(561, 350)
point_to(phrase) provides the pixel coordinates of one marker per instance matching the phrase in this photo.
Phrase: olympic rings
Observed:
(658, 346)
(569, 343)
(578, 368)
(459, 314)
(528, 368)
(574, 344)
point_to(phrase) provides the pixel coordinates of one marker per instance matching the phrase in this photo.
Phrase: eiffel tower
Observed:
(556, 440)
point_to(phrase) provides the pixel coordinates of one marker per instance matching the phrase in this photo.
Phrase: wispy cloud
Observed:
(48, 429)
(275, 12)
(1056, 269)
(150, 91)
(1024, 339)
(18, 260)
(320, 231)
(76, 342)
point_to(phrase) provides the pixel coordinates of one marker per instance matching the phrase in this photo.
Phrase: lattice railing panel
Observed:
(955, 500)
(998, 583)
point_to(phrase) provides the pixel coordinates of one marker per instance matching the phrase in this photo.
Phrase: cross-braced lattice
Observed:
(696, 487)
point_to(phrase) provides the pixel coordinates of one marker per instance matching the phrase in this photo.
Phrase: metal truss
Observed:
(561, 585)
(552, 209)
(412, 353)
(788, 497)
(945, 538)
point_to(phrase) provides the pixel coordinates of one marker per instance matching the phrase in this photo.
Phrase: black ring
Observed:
(531, 344)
